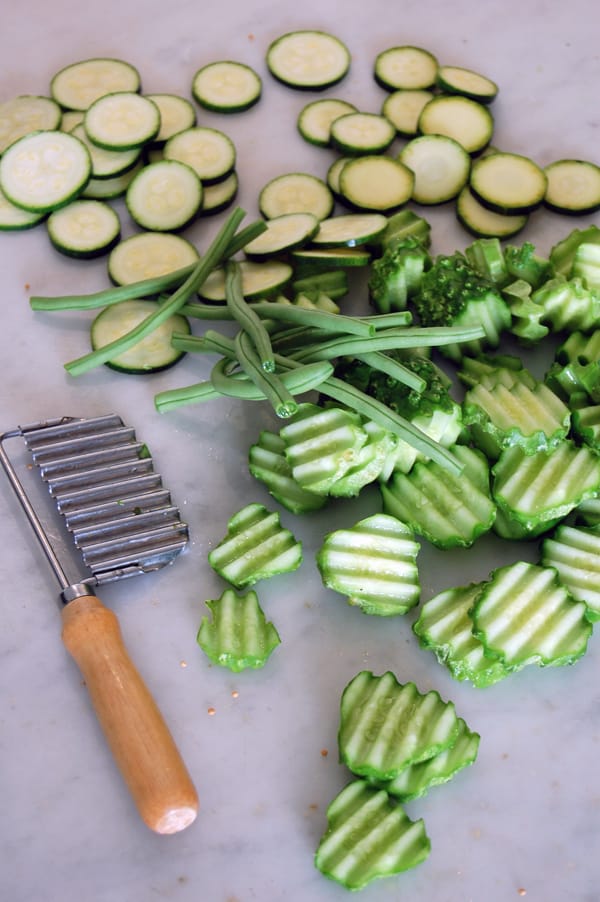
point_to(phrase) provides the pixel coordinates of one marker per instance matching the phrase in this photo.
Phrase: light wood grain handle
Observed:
(140, 740)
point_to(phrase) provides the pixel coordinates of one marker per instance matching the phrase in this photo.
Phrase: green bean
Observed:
(277, 394)
(248, 320)
(385, 364)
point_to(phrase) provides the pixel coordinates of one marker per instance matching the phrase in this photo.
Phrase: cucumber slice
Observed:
(238, 636)
(107, 189)
(333, 175)
(148, 255)
(315, 119)
(484, 223)
(44, 170)
(153, 353)
(350, 230)
(283, 233)
(268, 463)
(84, 228)
(573, 186)
(176, 115)
(226, 86)
(164, 196)
(208, 151)
(332, 258)
(361, 133)
(14, 219)
(574, 552)
(106, 164)
(25, 114)
(122, 121)
(467, 121)
(405, 67)
(78, 85)
(220, 195)
(71, 118)
(376, 183)
(259, 280)
(403, 108)
(308, 59)
(440, 165)
(295, 192)
(457, 80)
(508, 183)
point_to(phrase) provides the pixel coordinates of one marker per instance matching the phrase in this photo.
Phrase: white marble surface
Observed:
(524, 821)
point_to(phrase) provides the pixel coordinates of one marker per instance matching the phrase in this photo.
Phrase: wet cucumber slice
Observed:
(238, 636)
(574, 552)
(268, 463)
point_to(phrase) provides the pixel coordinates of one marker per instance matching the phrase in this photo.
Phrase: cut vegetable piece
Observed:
(107, 189)
(573, 186)
(508, 183)
(526, 315)
(283, 233)
(84, 228)
(308, 59)
(440, 165)
(467, 121)
(568, 305)
(403, 109)
(13, 218)
(122, 121)
(226, 86)
(405, 67)
(152, 353)
(415, 781)
(238, 636)
(315, 119)
(106, 164)
(574, 552)
(445, 627)
(78, 85)
(70, 119)
(332, 258)
(373, 563)
(147, 255)
(368, 837)
(373, 182)
(350, 230)
(525, 616)
(586, 425)
(44, 170)
(220, 195)
(268, 463)
(295, 192)
(458, 80)
(588, 512)
(259, 280)
(25, 114)
(405, 224)
(449, 510)
(176, 115)
(562, 254)
(334, 172)
(256, 547)
(361, 133)
(484, 223)
(370, 462)
(386, 726)
(208, 151)
(164, 196)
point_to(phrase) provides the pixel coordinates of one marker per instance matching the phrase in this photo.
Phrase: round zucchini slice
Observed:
(457, 80)
(573, 187)
(440, 165)
(508, 183)
(122, 121)
(208, 151)
(84, 229)
(361, 133)
(226, 86)
(376, 183)
(13, 219)
(467, 121)
(295, 192)
(484, 223)
(350, 230)
(106, 164)
(147, 255)
(164, 196)
(176, 114)
(25, 114)
(311, 60)
(315, 119)
(259, 280)
(219, 196)
(284, 233)
(78, 85)
(403, 109)
(405, 67)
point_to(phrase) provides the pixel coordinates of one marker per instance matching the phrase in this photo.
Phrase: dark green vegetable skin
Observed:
(448, 288)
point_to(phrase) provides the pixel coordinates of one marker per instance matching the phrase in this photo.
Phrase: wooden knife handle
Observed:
(140, 740)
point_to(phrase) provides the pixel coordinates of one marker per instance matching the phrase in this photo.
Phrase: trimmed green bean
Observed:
(277, 394)
(248, 320)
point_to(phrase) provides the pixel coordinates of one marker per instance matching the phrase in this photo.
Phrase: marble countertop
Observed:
(261, 745)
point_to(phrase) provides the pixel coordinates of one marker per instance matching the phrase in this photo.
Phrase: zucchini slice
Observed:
(308, 59)
(361, 133)
(218, 196)
(441, 168)
(403, 108)
(283, 233)
(84, 228)
(176, 114)
(226, 86)
(295, 192)
(484, 223)
(350, 230)
(106, 164)
(164, 196)
(333, 174)
(467, 121)
(457, 80)
(122, 121)
(109, 188)
(315, 119)
(147, 255)
(573, 187)
(13, 218)
(259, 280)
(77, 86)
(375, 182)
(25, 114)
(405, 67)
(508, 183)
(153, 353)
(208, 151)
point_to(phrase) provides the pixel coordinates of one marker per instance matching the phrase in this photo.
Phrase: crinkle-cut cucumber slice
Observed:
(106, 164)
(107, 189)
(368, 836)
(484, 223)
(84, 228)
(147, 255)
(315, 119)
(122, 121)
(524, 615)
(574, 552)
(208, 151)
(403, 108)
(164, 196)
(386, 726)
(370, 461)
(295, 192)
(283, 233)
(508, 183)
(238, 636)
(467, 121)
(405, 67)
(259, 280)
(445, 627)
(573, 186)
(376, 182)
(374, 564)
(219, 195)
(176, 114)
(44, 170)
(255, 547)
(588, 512)
(586, 425)
(350, 230)
(14, 218)
(78, 85)
(268, 463)
(458, 80)
(153, 353)
(586, 264)
(361, 133)
(440, 165)
(25, 114)
(226, 86)
(308, 59)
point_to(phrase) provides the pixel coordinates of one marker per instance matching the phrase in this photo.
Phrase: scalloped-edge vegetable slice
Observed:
(449, 510)
(524, 615)
(268, 463)
(373, 563)
(370, 462)
(586, 425)
(415, 781)
(238, 636)
(386, 726)
(574, 552)
(445, 627)
(256, 547)
(368, 836)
